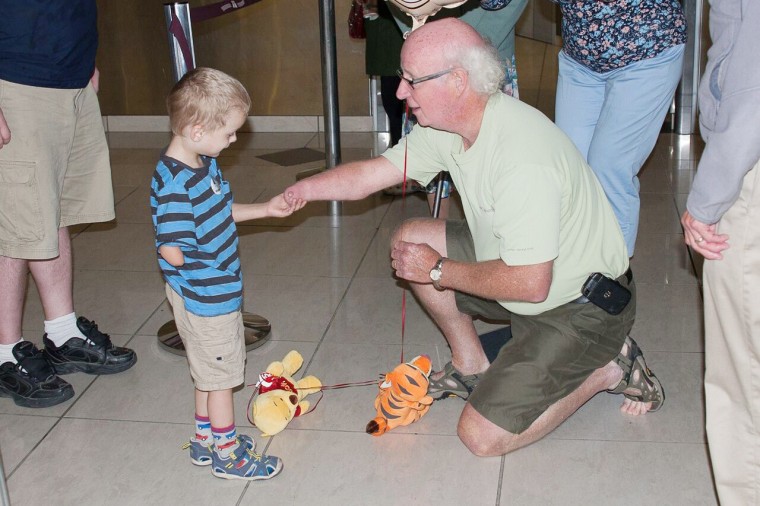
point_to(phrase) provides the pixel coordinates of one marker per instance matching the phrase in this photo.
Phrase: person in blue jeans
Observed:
(618, 70)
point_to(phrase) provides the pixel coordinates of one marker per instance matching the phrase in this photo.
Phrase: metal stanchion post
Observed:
(686, 94)
(686, 100)
(3, 485)
(180, 32)
(257, 329)
(440, 181)
(329, 95)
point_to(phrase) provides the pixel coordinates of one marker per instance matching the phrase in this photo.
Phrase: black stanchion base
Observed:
(257, 331)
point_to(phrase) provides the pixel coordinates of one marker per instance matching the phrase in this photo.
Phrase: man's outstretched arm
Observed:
(348, 181)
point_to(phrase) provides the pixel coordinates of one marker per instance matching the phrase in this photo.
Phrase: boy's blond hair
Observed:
(204, 96)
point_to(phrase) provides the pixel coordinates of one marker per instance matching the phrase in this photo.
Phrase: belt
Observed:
(583, 300)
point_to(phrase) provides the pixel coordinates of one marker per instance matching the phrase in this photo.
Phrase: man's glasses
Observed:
(413, 82)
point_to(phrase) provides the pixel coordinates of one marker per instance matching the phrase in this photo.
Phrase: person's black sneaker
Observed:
(31, 382)
(94, 355)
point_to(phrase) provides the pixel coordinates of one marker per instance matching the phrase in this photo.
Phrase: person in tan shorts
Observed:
(54, 173)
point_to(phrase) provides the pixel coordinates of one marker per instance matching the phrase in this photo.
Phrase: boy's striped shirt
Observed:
(192, 209)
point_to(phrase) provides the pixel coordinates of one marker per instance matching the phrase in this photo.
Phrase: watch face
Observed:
(435, 274)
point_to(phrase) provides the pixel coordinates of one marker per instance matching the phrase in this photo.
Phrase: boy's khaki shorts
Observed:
(549, 356)
(55, 172)
(215, 345)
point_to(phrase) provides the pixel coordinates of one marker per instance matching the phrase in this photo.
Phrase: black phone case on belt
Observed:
(606, 293)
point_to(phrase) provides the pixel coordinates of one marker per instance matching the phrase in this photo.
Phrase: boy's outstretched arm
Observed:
(277, 207)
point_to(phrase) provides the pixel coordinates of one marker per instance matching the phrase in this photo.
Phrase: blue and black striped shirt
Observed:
(192, 209)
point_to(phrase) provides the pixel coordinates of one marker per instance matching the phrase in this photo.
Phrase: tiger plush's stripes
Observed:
(403, 396)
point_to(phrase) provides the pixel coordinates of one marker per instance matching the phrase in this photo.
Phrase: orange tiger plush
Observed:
(403, 396)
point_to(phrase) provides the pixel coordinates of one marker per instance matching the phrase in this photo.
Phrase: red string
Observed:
(403, 216)
(321, 391)
(403, 318)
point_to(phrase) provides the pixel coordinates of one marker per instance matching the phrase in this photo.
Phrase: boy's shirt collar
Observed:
(176, 166)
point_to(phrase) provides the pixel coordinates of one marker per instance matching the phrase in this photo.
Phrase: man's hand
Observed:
(5, 131)
(293, 195)
(95, 79)
(703, 237)
(413, 261)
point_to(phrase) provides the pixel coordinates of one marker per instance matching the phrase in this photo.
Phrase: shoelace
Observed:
(95, 337)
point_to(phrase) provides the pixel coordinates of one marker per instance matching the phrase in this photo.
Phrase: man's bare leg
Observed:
(13, 275)
(467, 353)
(54, 279)
(484, 438)
(54, 283)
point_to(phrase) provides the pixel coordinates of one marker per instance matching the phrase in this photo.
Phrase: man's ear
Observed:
(196, 132)
(460, 77)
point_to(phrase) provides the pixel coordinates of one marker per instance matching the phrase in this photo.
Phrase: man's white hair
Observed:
(482, 63)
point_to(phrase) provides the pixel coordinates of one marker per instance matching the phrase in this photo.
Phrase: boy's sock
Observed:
(225, 440)
(6, 352)
(203, 430)
(62, 329)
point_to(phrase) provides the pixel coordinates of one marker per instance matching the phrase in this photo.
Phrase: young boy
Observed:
(194, 220)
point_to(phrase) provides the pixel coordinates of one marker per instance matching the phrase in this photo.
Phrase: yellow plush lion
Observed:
(280, 397)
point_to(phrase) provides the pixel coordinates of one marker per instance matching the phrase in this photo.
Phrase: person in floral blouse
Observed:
(619, 66)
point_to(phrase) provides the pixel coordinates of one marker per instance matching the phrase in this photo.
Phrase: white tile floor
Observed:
(326, 286)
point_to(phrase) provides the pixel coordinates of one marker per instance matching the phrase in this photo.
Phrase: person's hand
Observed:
(294, 197)
(703, 238)
(5, 131)
(413, 261)
(95, 79)
(278, 207)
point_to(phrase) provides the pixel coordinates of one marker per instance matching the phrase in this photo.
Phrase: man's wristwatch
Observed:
(436, 273)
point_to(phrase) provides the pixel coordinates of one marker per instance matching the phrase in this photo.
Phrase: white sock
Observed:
(62, 329)
(6, 352)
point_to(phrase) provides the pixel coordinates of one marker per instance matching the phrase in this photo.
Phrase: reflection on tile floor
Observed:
(325, 284)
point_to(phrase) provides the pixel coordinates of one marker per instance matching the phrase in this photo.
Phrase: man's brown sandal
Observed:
(452, 383)
(636, 375)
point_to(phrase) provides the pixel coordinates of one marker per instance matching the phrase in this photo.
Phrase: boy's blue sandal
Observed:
(244, 464)
(200, 453)
(637, 376)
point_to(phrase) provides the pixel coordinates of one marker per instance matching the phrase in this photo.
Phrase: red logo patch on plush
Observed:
(268, 382)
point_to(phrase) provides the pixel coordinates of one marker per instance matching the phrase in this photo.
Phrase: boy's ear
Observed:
(196, 132)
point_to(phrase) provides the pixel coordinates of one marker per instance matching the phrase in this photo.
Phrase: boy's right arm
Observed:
(172, 254)
(173, 222)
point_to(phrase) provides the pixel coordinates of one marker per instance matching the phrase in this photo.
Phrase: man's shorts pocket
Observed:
(20, 215)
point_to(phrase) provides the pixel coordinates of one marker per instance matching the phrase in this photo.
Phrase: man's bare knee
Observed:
(417, 230)
(481, 436)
